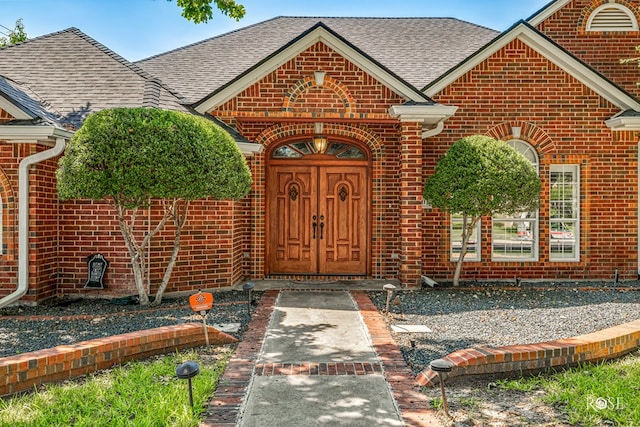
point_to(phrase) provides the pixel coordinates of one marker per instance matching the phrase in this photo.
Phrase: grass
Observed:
(136, 394)
(591, 395)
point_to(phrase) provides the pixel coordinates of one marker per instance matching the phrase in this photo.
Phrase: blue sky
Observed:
(137, 29)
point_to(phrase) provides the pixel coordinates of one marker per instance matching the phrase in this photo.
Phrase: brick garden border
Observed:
(23, 372)
(225, 407)
(594, 347)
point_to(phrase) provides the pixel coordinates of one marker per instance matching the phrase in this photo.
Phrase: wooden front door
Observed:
(318, 219)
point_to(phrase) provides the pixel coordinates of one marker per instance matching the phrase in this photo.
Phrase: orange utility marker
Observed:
(201, 303)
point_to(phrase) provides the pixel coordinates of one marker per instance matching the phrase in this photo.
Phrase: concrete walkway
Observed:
(318, 358)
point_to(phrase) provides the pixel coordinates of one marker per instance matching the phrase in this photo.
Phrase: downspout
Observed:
(23, 220)
(434, 131)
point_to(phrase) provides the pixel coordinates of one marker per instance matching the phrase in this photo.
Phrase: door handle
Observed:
(321, 226)
(314, 225)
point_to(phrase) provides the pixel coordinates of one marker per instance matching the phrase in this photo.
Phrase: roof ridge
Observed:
(237, 30)
(44, 36)
(158, 55)
(123, 61)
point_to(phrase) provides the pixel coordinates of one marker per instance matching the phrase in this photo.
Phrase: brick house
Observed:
(341, 120)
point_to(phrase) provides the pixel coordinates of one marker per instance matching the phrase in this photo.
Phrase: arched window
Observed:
(515, 237)
(612, 17)
(300, 149)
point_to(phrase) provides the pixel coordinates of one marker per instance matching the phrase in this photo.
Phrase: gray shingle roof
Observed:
(416, 49)
(76, 75)
(29, 102)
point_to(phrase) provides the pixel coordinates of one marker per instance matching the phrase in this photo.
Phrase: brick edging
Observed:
(601, 345)
(413, 404)
(24, 371)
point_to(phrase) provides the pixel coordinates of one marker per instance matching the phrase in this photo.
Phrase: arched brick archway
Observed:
(524, 131)
(360, 136)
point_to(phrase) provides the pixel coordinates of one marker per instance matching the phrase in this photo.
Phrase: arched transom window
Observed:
(300, 149)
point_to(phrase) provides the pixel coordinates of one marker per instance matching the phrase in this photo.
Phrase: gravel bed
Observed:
(460, 319)
(110, 317)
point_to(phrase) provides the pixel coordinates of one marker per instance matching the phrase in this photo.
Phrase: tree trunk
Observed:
(136, 250)
(179, 214)
(467, 232)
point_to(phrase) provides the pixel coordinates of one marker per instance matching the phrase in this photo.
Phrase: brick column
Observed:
(411, 185)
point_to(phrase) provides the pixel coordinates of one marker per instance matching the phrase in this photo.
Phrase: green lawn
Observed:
(591, 395)
(136, 394)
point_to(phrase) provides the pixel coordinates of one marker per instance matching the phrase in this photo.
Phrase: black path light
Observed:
(248, 288)
(186, 371)
(441, 367)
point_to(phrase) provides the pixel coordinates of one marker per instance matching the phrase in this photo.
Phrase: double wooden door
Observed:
(318, 220)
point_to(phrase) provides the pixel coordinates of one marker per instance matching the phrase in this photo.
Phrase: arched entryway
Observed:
(318, 208)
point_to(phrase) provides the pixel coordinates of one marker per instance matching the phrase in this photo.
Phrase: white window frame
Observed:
(476, 243)
(619, 7)
(526, 223)
(564, 231)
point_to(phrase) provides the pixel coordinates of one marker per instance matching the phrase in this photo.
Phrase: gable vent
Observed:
(612, 17)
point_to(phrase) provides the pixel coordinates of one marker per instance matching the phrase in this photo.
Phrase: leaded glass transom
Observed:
(300, 149)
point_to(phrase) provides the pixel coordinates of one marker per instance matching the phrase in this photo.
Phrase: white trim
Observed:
(623, 123)
(547, 12)
(11, 108)
(26, 134)
(576, 170)
(428, 115)
(319, 34)
(553, 53)
(250, 148)
(620, 8)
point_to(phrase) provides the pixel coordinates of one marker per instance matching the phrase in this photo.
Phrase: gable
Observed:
(436, 44)
(319, 34)
(5, 116)
(549, 10)
(12, 102)
(600, 33)
(302, 88)
(552, 52)
(70, 75)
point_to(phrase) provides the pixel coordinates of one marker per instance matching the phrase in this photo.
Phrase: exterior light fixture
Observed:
(248, 288)
(320, 142)
(389, 288)
(186, 371)
(441, 367)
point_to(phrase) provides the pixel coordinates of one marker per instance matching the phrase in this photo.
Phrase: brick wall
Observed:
(210, 247)
(24, 371)
(4, 116)
(9, 198)
(353, 107)
(601, 50)
(43, 230)
(530, 358)
(564, 121)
